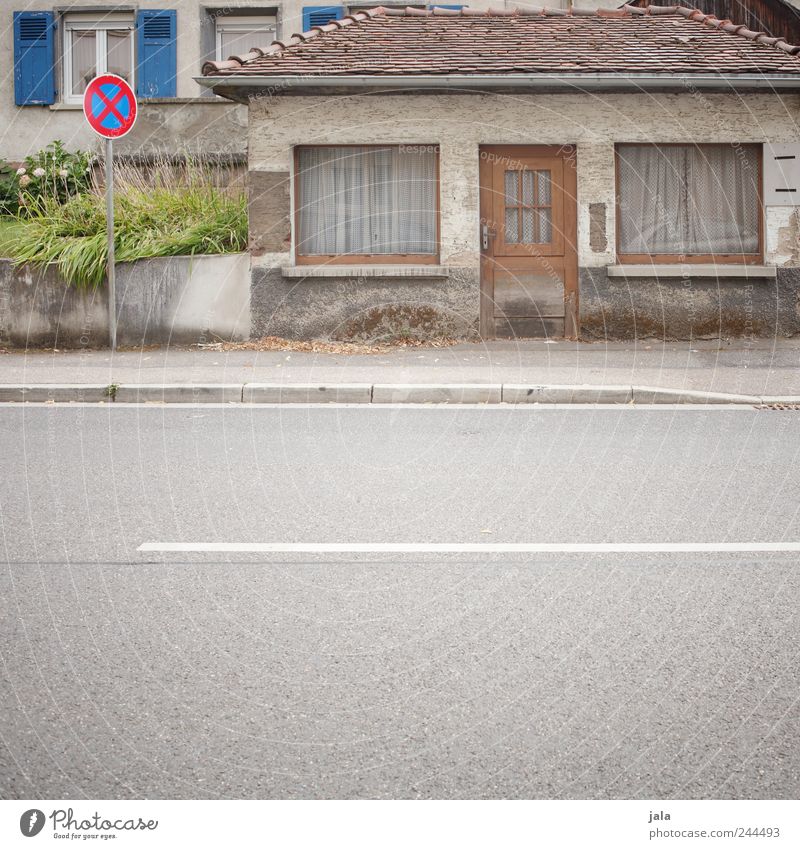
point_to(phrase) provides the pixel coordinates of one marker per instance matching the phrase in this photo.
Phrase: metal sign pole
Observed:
(112, 300)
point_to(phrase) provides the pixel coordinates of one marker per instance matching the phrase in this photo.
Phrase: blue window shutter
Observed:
(156, 53)
(318, 16)
(34, 58)
(443, 6)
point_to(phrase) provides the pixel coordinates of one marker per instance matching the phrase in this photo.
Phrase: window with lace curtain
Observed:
(700, 203)
(96, 43)
(373, 204)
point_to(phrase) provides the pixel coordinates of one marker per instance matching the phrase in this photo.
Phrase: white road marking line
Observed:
(472, 548)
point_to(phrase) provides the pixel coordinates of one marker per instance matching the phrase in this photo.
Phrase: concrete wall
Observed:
(459, 124)
(166, 300)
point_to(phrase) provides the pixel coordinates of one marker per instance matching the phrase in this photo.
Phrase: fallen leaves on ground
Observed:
(277, 343)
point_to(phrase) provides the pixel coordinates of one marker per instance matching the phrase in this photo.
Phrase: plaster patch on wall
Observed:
(783, 235)
(597, 227)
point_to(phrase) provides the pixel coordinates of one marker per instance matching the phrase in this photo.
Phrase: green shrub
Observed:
(178, 213)
(9, 190)
(52, 174)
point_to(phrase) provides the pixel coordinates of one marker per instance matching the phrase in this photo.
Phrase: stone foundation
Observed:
(364, 308)
(675, 308)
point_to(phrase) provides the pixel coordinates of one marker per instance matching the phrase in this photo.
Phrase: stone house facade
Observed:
(513, 175)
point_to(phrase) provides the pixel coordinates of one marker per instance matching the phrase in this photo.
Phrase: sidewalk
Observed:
(739, 367)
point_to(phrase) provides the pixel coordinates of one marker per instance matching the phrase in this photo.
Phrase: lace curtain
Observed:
(687, 199)
(365, 200)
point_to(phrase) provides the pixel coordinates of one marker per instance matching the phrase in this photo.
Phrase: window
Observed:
(236, 34)
(96, 44)
(680, 201)
(378, 203)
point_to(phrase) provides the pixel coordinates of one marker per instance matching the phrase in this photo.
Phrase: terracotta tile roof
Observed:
(392, 42)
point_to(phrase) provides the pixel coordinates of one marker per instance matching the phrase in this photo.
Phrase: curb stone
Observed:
(39, 392)
(180, 393)
(306, 393)
(437, 393)
(521, 393)
(656, 395)
(378, 393)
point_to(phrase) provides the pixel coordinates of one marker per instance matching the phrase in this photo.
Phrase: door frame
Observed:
(487, 154)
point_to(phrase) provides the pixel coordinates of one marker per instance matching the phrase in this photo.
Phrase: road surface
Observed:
(649, 674)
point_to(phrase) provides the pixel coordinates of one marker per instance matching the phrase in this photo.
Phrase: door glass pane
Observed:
(84, 58)
(512, 225)
(512, 191)
(528, 235)
(527, 188)
(119, 53)
(545, 226)
(543, 193)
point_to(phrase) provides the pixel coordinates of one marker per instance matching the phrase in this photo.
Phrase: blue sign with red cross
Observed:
(109, 105)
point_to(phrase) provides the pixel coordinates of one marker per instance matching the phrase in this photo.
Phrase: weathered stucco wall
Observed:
(460, 124)
(172, 299)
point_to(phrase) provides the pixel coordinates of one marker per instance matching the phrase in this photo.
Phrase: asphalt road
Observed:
(128, 674)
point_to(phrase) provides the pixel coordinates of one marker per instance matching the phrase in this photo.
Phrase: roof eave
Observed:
(243, 87)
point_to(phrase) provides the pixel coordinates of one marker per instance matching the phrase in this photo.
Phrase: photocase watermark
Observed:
(66, 826)
(32, 822)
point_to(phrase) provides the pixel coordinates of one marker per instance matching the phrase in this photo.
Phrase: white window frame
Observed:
(100, 25)
(243, 23)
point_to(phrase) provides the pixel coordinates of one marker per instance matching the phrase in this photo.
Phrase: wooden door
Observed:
(529, 267)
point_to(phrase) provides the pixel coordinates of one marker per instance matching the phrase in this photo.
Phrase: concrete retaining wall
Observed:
(166, 300)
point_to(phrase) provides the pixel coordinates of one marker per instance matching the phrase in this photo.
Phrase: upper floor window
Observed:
(141, 48)
(689, 202)
(318, 16)
(236, 34)
(96, 44)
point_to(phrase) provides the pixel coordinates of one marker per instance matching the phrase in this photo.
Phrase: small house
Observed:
(546, 173)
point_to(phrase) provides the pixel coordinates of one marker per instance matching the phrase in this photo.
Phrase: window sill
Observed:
(709, 270)
(330, 270)
(147, 101)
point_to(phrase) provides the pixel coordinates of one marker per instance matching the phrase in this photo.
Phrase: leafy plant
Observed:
(53, 174)
(176, 211)
(9, 190)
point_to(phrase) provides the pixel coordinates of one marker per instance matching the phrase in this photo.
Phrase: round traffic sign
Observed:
(109, 105)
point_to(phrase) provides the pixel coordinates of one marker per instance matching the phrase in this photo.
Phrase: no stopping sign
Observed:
(109, 105)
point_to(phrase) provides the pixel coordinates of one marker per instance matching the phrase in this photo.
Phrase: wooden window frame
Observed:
(365, 259)
(673, 259)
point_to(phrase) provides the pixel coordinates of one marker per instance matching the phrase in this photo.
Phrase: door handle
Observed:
(486, 234)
